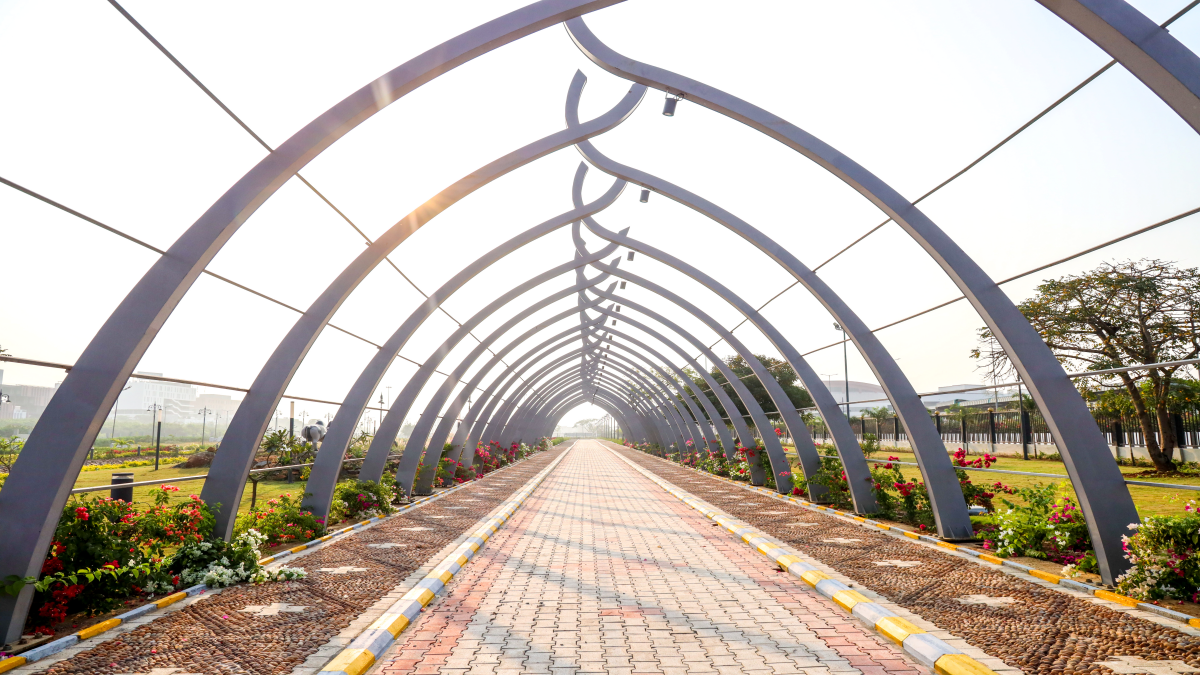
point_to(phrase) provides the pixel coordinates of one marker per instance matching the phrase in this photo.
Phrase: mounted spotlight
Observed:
(630, 256)
(622, 285)
(645, 196)
(669, 104)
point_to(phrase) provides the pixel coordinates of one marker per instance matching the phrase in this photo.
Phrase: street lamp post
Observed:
(845, 365)
(156, 423)
(203, 425)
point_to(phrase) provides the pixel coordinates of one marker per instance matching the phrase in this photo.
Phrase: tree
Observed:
(1120, 314)
(779, 369)
(881, 413)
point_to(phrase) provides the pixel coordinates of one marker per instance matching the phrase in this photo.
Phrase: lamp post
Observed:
(113, 434)
(156, 423)
(845, 365)
(203, 424)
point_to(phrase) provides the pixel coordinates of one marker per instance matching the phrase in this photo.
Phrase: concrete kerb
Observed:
(361, 654)
(922, 643)
(1162, 616)
(150, 611)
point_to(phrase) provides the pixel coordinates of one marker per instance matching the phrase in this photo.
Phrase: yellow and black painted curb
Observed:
(934, 652)
(358, 657)
(50, 648)
(980, 558)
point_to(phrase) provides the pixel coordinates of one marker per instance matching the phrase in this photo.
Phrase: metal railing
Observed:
(202, 476)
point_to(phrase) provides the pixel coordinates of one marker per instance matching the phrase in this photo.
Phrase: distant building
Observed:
(864, 392)
(176, 399)
(978, 397)
(859, 391)
(215, 403)
(24, 400)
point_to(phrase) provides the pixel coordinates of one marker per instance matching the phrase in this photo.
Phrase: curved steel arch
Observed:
(655, 388)
(35, 492)
(417, 439)
(1103, 495)
(377, 453)
(482, 372)
(854, 462)
(1145, 49)
(774, 448)
(328, 462)
(391, 423)
(227, 477)
(673, 428)
(664, 391)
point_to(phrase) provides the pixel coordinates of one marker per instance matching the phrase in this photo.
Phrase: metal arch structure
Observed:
(678, 428)
(327, 464)
(1145, 49)
(854, 462)
(227, 478)
(36, 490)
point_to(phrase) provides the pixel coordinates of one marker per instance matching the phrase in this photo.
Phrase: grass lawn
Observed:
(1149, 501)
(142, 498)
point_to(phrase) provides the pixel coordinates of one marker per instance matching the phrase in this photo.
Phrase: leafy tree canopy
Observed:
(1118, 315)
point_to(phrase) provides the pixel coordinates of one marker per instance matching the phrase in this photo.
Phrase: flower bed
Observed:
(107, 554)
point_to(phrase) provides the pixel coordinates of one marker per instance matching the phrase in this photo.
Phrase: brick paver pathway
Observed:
(602, 571)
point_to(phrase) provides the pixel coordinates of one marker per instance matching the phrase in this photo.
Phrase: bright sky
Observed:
(96, 118)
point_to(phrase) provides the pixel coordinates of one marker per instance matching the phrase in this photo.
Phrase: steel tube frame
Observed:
(416, 442)
(667, 429)
(33, 497)
(229, 469)
(1147, 50)
(327, 465)
(652, 386)
(1104, 498)
(854, 462)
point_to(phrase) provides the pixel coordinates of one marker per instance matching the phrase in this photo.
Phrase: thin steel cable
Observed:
(1026, 273)
(139, 242)
(211, 95)
(977, 160)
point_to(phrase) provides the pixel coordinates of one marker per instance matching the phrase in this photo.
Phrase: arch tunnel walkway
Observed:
(601, 570)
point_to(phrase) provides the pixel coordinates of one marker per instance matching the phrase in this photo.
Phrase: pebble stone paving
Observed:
(602, 571)
(1040, 631)
(257, 629)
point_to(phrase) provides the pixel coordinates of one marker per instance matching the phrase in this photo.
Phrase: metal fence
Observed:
(985, 428)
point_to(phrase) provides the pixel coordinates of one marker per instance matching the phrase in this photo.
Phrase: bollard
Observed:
(125, 493)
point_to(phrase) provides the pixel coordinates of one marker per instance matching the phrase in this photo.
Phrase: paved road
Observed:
(602, 571)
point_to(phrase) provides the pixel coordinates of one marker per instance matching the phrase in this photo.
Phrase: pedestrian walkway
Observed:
(602, 571)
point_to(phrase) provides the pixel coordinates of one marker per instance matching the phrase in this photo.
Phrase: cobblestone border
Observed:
(149, 611)
(917, 642)
(361, 654)
(1157, 614)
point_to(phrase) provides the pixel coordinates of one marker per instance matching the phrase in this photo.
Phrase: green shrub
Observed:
(281, 520)
(1165, 558)
(355, 499)
(1049, 525)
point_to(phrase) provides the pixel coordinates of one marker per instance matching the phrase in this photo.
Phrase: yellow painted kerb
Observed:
(92, 631)
(171, 599)
(392, 623)
(1046, 576)
(960, 664)
(848, 599)
(351, 661)
(1115, 597)
(813, 577)
(896, 629)
(11, 662)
